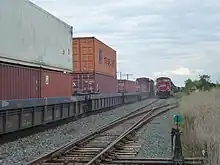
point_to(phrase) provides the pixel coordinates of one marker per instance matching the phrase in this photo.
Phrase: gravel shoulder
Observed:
(155, 138)
(25, 149)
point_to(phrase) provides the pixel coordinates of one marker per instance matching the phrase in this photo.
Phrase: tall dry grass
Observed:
(201, 118)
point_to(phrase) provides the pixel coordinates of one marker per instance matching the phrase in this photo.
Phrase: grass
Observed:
(201, 131)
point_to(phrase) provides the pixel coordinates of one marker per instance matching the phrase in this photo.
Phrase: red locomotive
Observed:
(164, 87)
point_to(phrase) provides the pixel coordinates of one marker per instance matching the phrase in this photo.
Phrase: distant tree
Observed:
(202, 84)
(205, 82)
(189, 86)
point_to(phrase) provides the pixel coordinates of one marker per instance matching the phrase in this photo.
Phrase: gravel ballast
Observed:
(25, 149)
(155, 137)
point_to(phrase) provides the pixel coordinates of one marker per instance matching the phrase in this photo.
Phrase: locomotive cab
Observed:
(164, 87)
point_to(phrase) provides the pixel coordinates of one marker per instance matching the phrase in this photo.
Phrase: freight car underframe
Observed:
(164, 94)
(19, 115)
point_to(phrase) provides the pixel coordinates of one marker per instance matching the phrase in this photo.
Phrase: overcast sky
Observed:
(176, 38)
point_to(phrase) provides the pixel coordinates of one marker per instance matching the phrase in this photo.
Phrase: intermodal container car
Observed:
(22, 82)
(92, 55)
(17, 82)
(127, 86)
(33, 37)
(55, 84)
(144, 84)
(94, 82)
(138, 87)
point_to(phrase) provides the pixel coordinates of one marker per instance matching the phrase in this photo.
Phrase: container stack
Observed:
(127, 86)
(145, 85)
(94, 66)
(35, 54)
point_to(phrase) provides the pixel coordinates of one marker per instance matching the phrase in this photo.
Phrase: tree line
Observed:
(202, 84)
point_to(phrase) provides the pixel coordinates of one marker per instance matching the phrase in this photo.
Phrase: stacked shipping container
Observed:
(127, 86)
(20, 82)
(30, 45)
(83, 82)
(91, 55)
(42, 56)
(44, 41)
(94, 65)
(143, 86)
(146, 84)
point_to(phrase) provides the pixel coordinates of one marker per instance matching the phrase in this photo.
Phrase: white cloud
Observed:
(151, 37)
(181, 71)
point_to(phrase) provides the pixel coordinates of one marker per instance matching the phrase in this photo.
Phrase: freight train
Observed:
(69, 66)
(164, 87)
(145, 85)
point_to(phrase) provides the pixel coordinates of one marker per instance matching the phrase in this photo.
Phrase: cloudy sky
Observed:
(176, 38)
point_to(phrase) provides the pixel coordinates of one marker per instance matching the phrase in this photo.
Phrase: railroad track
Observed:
(154, 161)
(113, 141)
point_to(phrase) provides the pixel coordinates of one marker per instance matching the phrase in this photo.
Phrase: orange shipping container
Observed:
(92, 55)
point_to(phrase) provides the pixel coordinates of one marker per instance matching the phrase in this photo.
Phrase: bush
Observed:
(201, 118)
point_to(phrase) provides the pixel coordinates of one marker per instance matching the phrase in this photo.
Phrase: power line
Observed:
(127, 75)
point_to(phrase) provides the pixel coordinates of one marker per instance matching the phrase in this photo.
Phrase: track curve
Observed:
(99, 145)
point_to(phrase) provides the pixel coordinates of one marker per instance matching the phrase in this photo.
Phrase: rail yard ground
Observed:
(28, 148)
(201, 113)
(155, 138)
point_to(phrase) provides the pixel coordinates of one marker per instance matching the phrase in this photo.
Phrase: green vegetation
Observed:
(202, 84)
(200, 110)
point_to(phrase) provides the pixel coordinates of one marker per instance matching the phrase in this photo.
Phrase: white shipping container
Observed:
(31, 36)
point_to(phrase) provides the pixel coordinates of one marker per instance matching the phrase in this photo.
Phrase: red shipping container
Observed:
(55, 84)
(127, 86)
(94, 82)
(18, 82)
(144, 84)
(106, 84)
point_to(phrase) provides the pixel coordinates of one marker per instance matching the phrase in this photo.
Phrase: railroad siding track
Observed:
(41, 143)
(152, 161)
(88, 149)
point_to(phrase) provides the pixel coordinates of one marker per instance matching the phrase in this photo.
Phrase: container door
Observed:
(87, 55)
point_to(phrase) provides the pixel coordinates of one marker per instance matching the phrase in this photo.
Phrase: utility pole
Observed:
(127, 75)
(120, 75)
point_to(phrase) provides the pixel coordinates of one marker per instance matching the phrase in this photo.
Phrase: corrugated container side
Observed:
(83, 55)
(55, 84)
(138, 87)
(76, 55)
(18, 82)
(105, 59)
(121, 86)
(87, 55)
(91, 55)
(83, 82)
(127, 86)
(94, 82)
(105, 83)
(43, 41)
(145, 84)
(143, 87)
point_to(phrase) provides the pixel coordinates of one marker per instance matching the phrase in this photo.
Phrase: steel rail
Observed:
(145, 119)
(154, 161)
(66, 147)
